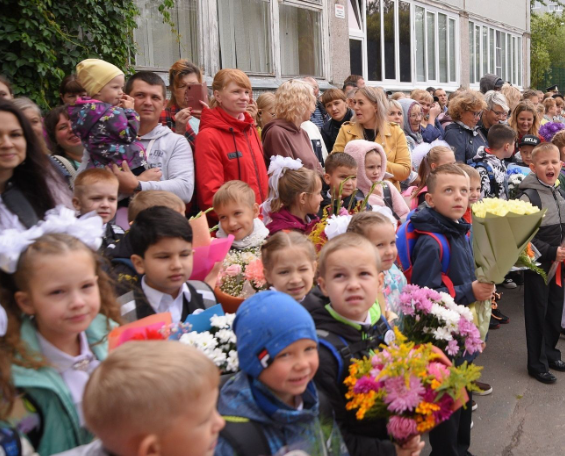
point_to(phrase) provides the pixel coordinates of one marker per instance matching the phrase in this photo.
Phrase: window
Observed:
(157, 46)
(494, 51)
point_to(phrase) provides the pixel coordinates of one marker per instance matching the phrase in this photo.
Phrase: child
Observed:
(294, 196)
(474, 190)
(97, 190)
(371, 169)
(437, 156)
(341, 168)
(559, 141)
(349, 276)
(382, 234)
(543, 304)
(490, 164)
(289, 263)
(278, 357)
(106, 122)
(61, 306)
(131, 416)
(525, 146)
(161, 241)
(447, 199)
(238, 214)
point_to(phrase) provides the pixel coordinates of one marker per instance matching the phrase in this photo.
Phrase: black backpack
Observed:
(387, 198)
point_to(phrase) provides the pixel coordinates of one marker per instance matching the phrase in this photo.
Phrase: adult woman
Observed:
(294, 103)
(70, 89)
(227, 146)
(513, 96)
(28, 184)
(33, 115)
(265, 110)
(5, 89)
(66, 146)
(370, 123)
(412, 114)
(431, 128)
(524, 120)
(464, 134)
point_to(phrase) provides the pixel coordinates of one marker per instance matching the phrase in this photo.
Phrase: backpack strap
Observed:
(245, 436)
(204, 290)
(444, 257)
(533, 196)
(387, 198)
(335, 344)
(10, 442)
(18, 204)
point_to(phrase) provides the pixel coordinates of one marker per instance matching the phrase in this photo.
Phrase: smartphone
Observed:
(436, 99)
(195, 93)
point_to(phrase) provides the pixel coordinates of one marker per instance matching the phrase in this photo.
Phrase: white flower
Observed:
(203, 341)
(233, 361)
(442, 333)
(336, 225)
(226, 336)
(450, 317)
(218, 356)
(219, 321)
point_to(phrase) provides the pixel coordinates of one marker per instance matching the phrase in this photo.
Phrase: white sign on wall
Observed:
(340, 11)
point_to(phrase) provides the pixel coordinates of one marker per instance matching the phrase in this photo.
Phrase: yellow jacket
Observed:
(393, 140)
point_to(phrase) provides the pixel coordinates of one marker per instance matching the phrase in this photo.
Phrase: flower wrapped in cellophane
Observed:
(501, 232)
(427, 316)
(415, 387)
(242, 273)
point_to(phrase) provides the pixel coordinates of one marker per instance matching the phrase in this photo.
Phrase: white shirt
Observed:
(163, 302)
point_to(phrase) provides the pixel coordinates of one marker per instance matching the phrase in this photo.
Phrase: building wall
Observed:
(339, 44)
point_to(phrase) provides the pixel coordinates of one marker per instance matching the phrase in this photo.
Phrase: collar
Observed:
(466, 127)
(63, 362)
(551, 187)
(163, 302)
(373, 316)
(255, 239)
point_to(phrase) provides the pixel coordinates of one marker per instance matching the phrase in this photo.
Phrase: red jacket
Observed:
(228, 149)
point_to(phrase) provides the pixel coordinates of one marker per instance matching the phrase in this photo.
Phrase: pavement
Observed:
(522, 417)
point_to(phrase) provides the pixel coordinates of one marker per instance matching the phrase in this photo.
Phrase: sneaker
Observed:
(509, 283)
(499, 316)
(494, 324)
(485, 389)
(474, 405)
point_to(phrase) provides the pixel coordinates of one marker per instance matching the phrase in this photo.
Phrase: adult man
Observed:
(319, 115)
(442, 99)
(491, 82)
(166, 150)
(496, 111)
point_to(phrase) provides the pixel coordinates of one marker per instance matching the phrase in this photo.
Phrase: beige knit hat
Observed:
(93, 74)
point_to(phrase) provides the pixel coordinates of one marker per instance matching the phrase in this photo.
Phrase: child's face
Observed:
(292, 370)
(101, 197)
(63, 296)
(293, 272)
(526, 154)
(338, 175)
(352, 282)
(112, 92)
(236, 217)
(547, 165)
(383, 237)
(474, 191)
(167, 264)
(451, 195)
(373, 166)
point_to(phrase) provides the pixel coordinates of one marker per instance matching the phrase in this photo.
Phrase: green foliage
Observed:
(548, 35)
(41, 41)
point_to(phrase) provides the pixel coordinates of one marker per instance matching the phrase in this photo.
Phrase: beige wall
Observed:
(339, 44)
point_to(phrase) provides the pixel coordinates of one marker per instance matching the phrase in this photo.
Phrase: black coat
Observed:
(331, 128)
(464, 143)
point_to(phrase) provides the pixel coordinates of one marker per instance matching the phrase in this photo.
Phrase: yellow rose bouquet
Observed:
(501, 232)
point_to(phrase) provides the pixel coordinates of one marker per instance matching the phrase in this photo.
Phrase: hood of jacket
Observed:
(158, 132)
(407, 106)
(358, 149)
(85, 113)
(220, 119)
(430, 220)
(488, 82)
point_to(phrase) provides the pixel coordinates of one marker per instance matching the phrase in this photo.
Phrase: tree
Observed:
(548, 35)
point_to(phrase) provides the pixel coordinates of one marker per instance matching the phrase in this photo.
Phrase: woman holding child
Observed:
(370, 123)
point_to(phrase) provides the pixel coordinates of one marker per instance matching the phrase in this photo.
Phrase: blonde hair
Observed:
(549, 103)
(93, 176)
(540, 108)
(363, 221)
(469, 100)
(559, 139)
(432, 157)
(282, 240)
(143, 386)
(291, 184)
(421, 94)
(346, 241)
(469, 170)
(234, 191)
(378, 98)
(525, 106)
(264, 101)
(294, 99)
(227, 75)
(149, 198)
(397, 96)
(512, 94)
(544, 147)
(395, 104)
(443, 170)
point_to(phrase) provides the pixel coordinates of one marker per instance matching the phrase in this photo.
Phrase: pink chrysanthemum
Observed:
(366, 384)
(438, 370)
(452, 347)
(401, 397)
(401, 428)
(446, 408)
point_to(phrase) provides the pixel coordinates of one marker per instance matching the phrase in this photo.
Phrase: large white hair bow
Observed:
(277, 168)
(89, 229)
(421, 150)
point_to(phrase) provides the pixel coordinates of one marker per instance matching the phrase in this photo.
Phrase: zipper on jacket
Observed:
(254, 164)
(559, 212)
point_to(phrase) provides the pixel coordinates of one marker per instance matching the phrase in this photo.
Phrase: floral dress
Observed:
(393, 284)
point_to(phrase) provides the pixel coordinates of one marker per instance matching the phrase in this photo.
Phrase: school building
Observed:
(394, 44)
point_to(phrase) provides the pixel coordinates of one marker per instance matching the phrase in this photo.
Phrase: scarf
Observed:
(255, 239)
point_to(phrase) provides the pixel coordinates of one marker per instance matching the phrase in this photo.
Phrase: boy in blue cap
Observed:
(272, 404)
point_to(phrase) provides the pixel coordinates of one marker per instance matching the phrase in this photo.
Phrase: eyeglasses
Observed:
(478, 114)
(500, 113)
(417, 116)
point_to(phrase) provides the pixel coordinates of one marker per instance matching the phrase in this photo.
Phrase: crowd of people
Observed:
(94, 201)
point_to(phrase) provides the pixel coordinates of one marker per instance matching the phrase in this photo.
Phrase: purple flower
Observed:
(549, 130)
(446, 408)
(452, 347)
(401, 397)
(473, 344)
(401, 428)
(366, 384)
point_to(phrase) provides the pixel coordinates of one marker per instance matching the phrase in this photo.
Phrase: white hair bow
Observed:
(3, 322)
(88, 229)
(277, 168)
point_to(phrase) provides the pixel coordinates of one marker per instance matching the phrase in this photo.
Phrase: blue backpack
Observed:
(406, 238)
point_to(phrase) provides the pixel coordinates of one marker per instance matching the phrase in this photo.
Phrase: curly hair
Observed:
(512, 94)
(470, 100)
(294, 99)
(525, 106)
(559, 139)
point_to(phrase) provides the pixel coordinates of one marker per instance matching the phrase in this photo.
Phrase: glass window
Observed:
(431, 29)
(503, 57)
(520, 70)
(492, 68)
(374, 40)
(157, 45)
(442, 40)
(390, 39)
(354, 16)
(452, 52)
(477, 53)
(246, 48)
(420, 48)
(300, 33)
(484, 52)
(355, 57)
(472, 76)
(404, 35)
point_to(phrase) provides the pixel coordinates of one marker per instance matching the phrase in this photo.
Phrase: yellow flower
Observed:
(425, 424)
(427, 408)
(501, 208)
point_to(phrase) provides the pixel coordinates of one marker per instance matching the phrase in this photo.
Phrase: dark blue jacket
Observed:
(462, 140)
(426, 265)
(432, 132)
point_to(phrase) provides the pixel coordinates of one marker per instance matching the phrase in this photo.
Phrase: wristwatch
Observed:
(138, 188)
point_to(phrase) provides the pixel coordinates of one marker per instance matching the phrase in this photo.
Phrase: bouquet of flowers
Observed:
(515, 178)
(218, 343)
(414, 387)
(328, 228)
(501, 232)
(242, 273)
(431, 317)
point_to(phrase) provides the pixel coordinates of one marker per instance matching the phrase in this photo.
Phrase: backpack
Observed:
(387, 198)
(494, 186)
(406, 238)
(534, 197)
